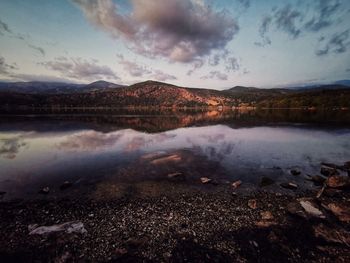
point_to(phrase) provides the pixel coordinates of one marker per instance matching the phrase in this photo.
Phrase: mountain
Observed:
(37, 87)
(158, 94)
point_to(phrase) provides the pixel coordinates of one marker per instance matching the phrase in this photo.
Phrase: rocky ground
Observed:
(220, 225)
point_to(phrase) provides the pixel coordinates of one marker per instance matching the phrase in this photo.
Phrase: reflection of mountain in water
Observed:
(155, 121)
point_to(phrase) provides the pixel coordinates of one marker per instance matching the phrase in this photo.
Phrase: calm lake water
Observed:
(107, 153)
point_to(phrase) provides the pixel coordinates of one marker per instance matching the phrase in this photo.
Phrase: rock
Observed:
(45, 190)
(327, 171)
(295, 172)
(294, 208)
(68, 227)
(331, 192)
(266, 181)
(332, 235)
(304, 208)
(311, 209)
(252, 203)
(65, 185)
(342, 212)
(290, 186)
(120, 251)
(2, 194)
(205, 180)
(317, 179)
(265, 223)
(337, 181)
(236, 184)
(266, 215)
(333, 166)
(175, 175)
(170, 158)
(347, 165)
(65, 257)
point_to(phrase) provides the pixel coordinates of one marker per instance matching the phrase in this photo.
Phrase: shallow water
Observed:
(38, 151)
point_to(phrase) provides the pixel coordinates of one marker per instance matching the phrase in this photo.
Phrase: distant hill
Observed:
(38, 87)
(159, 94)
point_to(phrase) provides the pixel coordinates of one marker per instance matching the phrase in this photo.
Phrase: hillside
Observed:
(158, 94)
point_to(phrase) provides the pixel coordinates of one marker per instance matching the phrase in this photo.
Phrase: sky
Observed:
(192, 43)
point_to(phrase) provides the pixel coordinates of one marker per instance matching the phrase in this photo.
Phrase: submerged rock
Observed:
(166, 159)
(45, 190)
(295, 172)
(68, 227)
(334, 166)
(327, 171)
(65, 185)
(266, 181)
(290, 186)
(317, 179)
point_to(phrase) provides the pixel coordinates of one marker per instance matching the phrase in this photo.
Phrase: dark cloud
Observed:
(244, 3)
(232, 64)
(79, 68)
(215, 75)
(286, 19)
(38, 49)
(133, 68)
(348, 70)
(162, 76)
(323, 17)
(181, 31)
(294, 21)
(337, 43)
(264, 28)
(4, 28)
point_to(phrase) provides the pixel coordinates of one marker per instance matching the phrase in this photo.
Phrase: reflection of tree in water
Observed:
(9, 148)
(158, 121)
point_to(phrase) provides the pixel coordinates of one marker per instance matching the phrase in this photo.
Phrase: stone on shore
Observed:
(337, 181)
(68, 227)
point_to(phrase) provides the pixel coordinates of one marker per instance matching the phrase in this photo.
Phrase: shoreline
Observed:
(198, 226)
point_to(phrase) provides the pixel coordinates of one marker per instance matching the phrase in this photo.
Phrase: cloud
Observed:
(180, 31)
(286, 19)
(322, 18)
(5, 68)
(4, 28)
(38, 49)
(161, 76)
(10, 147)
(215, 75)
(79, 68)
(133, 68)
(34, 77)
(295, 20)
(264, 28)
(244, 3)
(232, 64)
(89, 141)
(337, 43)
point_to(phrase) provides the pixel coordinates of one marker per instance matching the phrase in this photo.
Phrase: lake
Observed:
(108, 154)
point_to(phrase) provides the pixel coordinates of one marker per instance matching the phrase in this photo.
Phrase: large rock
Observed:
(337, 181)
(68, 227)
(332, 235)
(291, 186)
(328, 171)
(342, 212)
(305, 208)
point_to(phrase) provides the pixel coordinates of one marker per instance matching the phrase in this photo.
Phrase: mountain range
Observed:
(158, 94)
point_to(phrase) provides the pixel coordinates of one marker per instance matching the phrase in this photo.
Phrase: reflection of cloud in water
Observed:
(139, 142)
(10, 147)
(89, 140)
